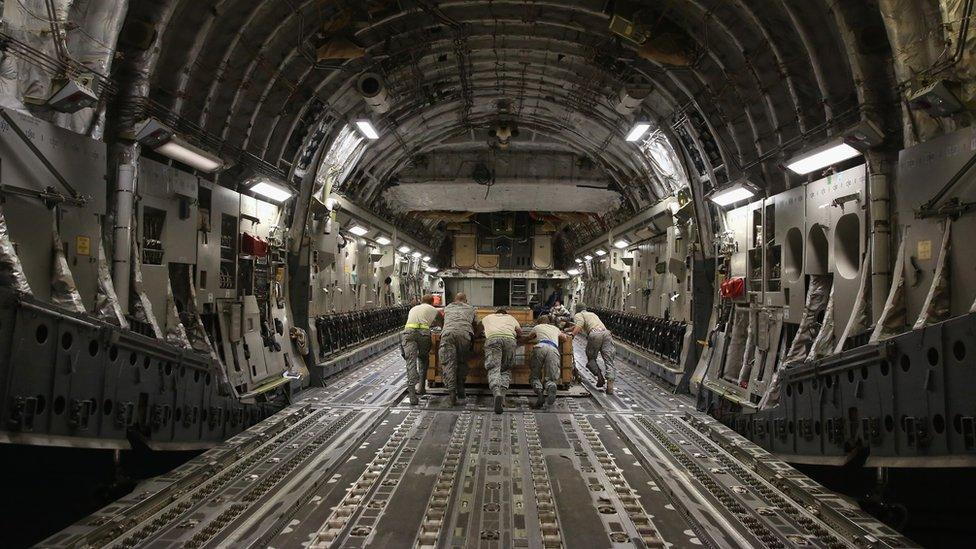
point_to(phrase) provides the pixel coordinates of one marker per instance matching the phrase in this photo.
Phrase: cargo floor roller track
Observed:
(351, 465)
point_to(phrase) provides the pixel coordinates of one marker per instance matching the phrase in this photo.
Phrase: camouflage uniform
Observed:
(415, 344)
(455, 344)
(499, 359)
(599, 341)
(545, 364)
(416, 351)
(545, 359)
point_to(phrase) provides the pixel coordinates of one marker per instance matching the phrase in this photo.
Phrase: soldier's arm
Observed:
(578, 323)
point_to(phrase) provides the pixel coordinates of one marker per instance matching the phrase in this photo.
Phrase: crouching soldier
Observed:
(455, 346)
(599, 342)
(501, 333)
(415, 342)
(545, 362)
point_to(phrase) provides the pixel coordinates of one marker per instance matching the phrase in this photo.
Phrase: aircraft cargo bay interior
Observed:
(487, 273)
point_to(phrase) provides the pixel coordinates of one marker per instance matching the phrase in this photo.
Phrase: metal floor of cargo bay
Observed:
(352, 465)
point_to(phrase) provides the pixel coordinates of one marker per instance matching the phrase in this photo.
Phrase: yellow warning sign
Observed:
(924, 250)
(82, 245)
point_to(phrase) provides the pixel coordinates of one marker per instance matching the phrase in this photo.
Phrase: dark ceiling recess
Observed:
(763, 77)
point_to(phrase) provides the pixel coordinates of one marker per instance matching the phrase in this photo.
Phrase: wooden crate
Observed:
(477, 375)
(522, 314)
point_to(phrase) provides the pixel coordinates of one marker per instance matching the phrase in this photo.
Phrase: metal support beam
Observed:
(661, 209)
(368, 217)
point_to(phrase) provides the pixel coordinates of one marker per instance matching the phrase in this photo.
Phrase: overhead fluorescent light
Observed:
(183, 152)
(271, 190)
(417, 254)
(431, 269)
(382, 240)
(163, 139)
(638, 131)
(573, 272)
(601, 252)
(832, 152)
(403, 249)
(367, 129)
(426, 258)
(588, 257)
(578, 260)
(621, 244)
(358, 230)
(730, 194)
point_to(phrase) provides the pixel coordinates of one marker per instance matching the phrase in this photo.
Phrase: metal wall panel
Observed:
(542, 252)
(737, 221)
(789, 235)
(835, 207)
(82, 162)
(922, 171)
(162, 187)
(223, 201)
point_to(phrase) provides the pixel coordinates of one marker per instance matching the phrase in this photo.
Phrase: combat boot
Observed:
(452, 400)
(550, 396)
(422, 387)
(412, 394)
(540, 401)
(499, 402)
(610, 387)
(600, 381)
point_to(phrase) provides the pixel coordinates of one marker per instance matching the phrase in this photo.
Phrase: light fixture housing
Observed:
(737, 191)
(426, 258)
(163, 139)
(367, 128)
(431, 269)
(937, 99)
(601, 252)
(638, 130)
(404, 249)
(383, 241)
(621, 243)
(192, 156)
(417, 255)
(588, 257)
(73, 95)
(358, 230)
(271, 190)
(573, 272)
(578, 260)
(828, 154)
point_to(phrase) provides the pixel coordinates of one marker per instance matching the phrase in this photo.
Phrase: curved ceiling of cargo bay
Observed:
(763, 79)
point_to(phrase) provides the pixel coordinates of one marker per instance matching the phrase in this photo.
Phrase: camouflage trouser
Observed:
(499, 359)
(453, 356)
(600, 343)
(545, 366)
(416, 351)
